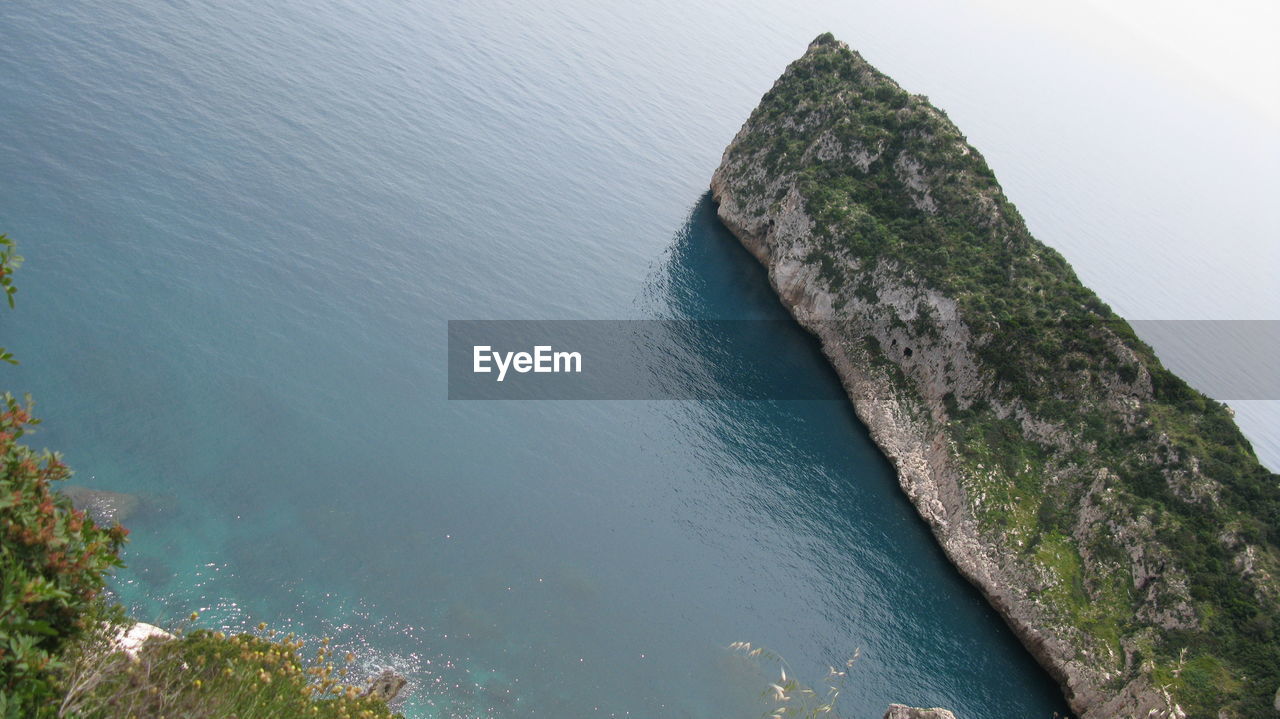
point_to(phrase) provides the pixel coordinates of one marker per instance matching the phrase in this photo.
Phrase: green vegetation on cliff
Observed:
(1138, 517)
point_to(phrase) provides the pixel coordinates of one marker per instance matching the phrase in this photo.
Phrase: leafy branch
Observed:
(9, 262)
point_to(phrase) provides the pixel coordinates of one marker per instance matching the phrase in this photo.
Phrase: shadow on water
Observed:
(870, 571)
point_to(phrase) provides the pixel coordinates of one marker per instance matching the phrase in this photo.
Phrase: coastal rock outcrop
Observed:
(386, 686)
(131, 639)
(103, 506)
(900, 711)
(1115, 517)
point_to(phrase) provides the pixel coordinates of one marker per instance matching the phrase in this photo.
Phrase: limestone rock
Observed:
(131, 639)
(844, 186)
(899, 711)
(386, 686)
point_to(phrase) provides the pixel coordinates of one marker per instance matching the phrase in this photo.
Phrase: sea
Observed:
(247, 226)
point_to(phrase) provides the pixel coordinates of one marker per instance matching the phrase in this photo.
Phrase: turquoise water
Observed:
(246, 228)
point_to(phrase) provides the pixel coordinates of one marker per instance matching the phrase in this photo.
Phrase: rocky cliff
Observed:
(1114, 517)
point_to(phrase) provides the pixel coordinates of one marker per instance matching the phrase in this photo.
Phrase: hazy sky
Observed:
(1226, 46)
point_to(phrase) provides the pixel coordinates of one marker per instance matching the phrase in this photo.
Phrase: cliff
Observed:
(1115, 517)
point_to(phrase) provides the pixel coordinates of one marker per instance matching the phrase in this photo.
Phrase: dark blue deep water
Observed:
(246, 225)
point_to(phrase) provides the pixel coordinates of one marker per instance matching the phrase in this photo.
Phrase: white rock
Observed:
(131, 639)
(899, 711)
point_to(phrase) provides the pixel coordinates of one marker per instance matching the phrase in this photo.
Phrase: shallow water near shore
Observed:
(246, 229)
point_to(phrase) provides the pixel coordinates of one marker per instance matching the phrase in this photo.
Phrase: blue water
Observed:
(247, 226)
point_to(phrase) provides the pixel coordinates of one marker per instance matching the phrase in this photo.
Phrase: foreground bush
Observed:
(207, 675)
(52, 564)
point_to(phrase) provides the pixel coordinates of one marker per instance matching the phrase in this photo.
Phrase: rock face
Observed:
(386, 686)
(899, 711)
(131, 639)
(106, 508)
(1114, 517)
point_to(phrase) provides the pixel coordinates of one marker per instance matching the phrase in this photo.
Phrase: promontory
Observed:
(1114, 516)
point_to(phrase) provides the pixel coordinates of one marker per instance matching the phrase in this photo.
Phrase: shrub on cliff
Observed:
(208, 675)
(9, 261)
(52, 557)
(52, 562)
